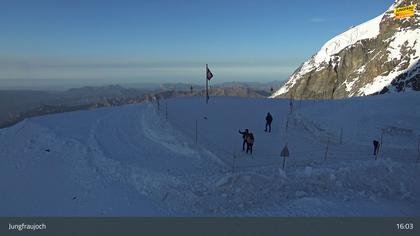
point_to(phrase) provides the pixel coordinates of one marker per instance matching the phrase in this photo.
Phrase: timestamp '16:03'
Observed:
(405, 226)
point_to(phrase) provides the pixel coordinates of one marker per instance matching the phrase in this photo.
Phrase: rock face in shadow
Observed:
(378, 56)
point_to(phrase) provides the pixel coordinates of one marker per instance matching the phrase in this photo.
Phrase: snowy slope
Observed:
(369, 29)
(403, 38)
(130, 160)
(361, 61)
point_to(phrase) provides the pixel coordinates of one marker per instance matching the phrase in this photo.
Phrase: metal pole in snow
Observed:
(418, 150)
(233, 164)
(284, 161)
(166, 111)
(207, 86)
(291, 103)
(327, 149)
(380, 146)
(196, 131)
(284, 153)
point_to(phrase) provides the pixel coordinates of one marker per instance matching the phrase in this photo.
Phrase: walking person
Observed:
(244, 136)
(268, 120)
(249, 142)
(375, 147)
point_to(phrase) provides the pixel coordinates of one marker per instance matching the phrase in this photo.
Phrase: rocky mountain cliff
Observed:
(378, 56)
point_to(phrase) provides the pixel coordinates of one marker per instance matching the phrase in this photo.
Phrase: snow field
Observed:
(131, 160)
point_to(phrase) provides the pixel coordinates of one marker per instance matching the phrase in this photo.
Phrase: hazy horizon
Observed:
(64, 84)
(169, 41)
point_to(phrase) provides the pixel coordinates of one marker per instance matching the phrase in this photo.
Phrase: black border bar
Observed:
(243, 226)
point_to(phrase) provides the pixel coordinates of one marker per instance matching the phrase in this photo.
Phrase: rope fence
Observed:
(332, 151)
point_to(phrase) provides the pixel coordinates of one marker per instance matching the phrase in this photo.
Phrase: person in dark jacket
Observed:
(249, 142)
(244, 136)
(375, 147)
(268, 120)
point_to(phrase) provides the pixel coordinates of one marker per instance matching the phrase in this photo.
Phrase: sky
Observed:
(166, 41)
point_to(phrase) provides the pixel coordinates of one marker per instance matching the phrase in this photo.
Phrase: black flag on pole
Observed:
(209, 74)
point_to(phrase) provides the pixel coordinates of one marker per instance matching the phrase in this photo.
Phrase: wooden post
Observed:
(196, 131)
(327, 149)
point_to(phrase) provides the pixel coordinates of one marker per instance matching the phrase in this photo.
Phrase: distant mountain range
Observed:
(19, 104)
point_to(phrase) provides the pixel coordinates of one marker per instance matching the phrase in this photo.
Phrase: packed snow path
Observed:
(138, 160)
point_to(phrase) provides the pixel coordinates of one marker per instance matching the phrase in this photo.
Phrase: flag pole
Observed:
(207, 86)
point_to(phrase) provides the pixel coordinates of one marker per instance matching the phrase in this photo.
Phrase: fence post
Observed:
(284, 153)
(380, 146)
(327, 149)
(233, 162)
(284, 161)
(196, 131)
(166, 111)
(418, 156)
(291, 107)
(418, 150)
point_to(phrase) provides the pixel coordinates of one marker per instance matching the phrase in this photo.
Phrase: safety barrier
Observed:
(331, 152)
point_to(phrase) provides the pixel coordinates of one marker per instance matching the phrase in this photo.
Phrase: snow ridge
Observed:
(366, 30)
(369, 29)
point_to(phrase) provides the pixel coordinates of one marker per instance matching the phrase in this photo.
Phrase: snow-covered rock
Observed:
(380, 55)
